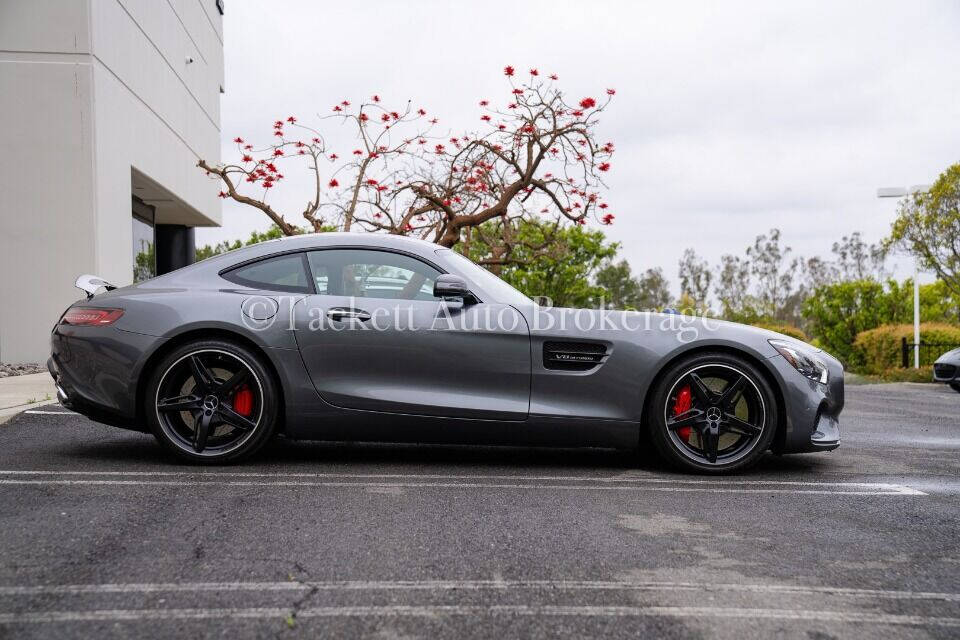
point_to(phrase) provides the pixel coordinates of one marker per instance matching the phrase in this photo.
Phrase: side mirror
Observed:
(448, 285)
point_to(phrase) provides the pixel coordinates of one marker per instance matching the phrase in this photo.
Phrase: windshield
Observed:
(503, 292)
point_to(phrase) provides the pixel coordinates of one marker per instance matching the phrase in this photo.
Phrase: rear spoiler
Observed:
(91, 284)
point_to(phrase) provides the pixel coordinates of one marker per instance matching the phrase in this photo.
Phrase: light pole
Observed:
(898, 192)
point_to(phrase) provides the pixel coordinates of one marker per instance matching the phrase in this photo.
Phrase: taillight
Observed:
(87, 317)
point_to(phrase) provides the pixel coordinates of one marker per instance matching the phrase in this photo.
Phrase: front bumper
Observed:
(811, 420)
(946, 372)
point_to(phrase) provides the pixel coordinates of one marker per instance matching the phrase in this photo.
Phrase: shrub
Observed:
(878, 350)
(837, 313)
(785, 329)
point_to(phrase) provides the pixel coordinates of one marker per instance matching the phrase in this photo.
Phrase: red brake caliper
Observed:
(243, 401)
(681, 405)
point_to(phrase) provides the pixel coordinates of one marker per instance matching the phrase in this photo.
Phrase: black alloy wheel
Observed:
(712, 413)
(212, 401)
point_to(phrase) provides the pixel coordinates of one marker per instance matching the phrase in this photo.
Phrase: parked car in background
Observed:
(947, 369)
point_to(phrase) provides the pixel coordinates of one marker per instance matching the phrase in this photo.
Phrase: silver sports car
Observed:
(947, 369)
(378, 337)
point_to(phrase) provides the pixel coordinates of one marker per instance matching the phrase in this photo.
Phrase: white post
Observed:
(897, 192)
(916, 313)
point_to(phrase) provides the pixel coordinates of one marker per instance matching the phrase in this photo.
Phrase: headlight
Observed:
(803, 360)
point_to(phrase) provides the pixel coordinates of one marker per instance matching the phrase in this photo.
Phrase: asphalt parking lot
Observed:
(104, 536)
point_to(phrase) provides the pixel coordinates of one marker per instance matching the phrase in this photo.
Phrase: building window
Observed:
(144, 242)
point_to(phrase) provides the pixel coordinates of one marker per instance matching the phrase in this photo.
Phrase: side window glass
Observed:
(367, 273)
(282, 273)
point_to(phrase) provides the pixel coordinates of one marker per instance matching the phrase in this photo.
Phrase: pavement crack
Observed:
(290, 622)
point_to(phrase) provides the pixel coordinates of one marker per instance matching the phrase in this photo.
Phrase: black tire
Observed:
(955, 386)
(745, 419)
(179, 398)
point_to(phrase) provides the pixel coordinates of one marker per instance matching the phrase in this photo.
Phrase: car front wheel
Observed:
(212, 401)
(712, 413)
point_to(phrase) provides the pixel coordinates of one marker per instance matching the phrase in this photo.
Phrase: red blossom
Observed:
(518, 92)
(364, 117)
(223, 194)
(337, 107)
(608, 218)
(375, 98)
(512, 105)
(485, 118)
(291, 119)
(604, 166)
(611, 92)
(501, 127)
(554, 76)
(588, 103)
(315, 140)
(577, 113)
(278, 124)
(278, 152)
(484, 103)
(421, 112)
(385, 117)
(394, 115)
(248, 147)
(238, 140)
(439, 148)
(357, 152)
(371, 181)
(447, 203)
(603, 205)
(333, 183)
(534, 72)
(334, 156)
(508, 70)
(345, 103)
(247, 158)
(278, 133)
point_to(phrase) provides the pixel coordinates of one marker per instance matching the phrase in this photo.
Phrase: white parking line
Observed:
(115, 615)
(474, 585)
(449, 481)
(879, 489)
(51, 413)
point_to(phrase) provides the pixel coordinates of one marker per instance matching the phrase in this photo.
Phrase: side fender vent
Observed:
(573, 356)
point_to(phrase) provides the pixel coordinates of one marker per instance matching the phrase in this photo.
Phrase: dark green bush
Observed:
(878, 350)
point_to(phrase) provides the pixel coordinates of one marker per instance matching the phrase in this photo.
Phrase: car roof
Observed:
(323, 240)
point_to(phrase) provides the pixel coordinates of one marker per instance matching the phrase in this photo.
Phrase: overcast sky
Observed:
(729, 118)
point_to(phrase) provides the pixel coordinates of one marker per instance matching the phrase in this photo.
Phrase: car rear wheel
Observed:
(712, 413)
(212, 402)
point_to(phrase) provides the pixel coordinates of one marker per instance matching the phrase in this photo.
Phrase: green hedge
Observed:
(785, 329)
(878, 350)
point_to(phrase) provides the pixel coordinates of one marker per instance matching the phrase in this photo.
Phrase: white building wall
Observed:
(99, 88)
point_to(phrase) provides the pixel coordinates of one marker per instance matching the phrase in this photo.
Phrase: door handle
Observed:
(345, 313)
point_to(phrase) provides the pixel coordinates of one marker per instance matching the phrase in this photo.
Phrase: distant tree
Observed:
(733, 289)
(856, 260)
(774, 272)
(536, 157)
(546, 260)
(654, 290)
(928, 227)
(207, 251)
(625, 291)
(695, 278)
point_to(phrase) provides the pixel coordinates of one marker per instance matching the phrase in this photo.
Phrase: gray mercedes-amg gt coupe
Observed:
(378, 337)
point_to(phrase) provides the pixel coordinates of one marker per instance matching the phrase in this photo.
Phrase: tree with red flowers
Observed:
(534, 157)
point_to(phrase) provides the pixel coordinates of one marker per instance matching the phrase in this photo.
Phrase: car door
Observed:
(373, 337)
